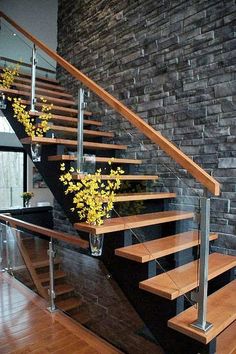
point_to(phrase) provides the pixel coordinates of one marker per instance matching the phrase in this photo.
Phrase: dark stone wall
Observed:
(172, 62)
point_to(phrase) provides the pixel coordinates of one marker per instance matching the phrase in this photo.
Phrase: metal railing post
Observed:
(33, 78)
(51, 290)
(1, 248)
(201, 296)
(7, 243)
(80, 129)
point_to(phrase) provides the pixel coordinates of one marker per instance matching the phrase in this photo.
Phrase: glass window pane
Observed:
(11, 179)
(4, 125)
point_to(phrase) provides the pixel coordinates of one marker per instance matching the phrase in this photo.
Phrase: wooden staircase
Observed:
(35, 252)
(136, 267)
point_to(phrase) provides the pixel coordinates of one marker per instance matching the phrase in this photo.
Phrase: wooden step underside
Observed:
(67, 142)
(221, 312)
(97, 159)
(134, 221)
(69, 120)
(150, 250)
(181, 280)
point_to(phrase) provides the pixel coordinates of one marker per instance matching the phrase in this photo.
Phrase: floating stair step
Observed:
(69, 304)
(61, 289)
(98, 159)
(87, 132)
(67, 102)
(67, 142)
(147, 251)
(55, 107)
(130, 222)
(226, 340)
(129, 197)
(221, 312)
(42, 91)
(70, 120)
(45, 263)
(45, 277)
(39, 84)
(123, 177)
(38, 78)
(181, 280)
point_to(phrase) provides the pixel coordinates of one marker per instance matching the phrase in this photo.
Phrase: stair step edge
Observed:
(150, 250)
(134, 221)
(221, 312)
(183, 279)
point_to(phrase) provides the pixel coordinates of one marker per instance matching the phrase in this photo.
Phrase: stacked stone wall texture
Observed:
(172, 62)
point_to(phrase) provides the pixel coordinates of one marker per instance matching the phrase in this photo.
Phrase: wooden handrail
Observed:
(177, 155)
(62, 236)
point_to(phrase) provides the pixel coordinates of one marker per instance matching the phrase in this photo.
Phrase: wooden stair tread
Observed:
(68, 142)
(43, 91)
(87, 132)
(40, 78)
(61, 289)
(45, 263)
(45, 277)
(221, 312)
(181, 280)
(226, 340)
(39, 83)
(147, 251)
(71, 120)
(50, 99)
(130, 222)
(98, 159)
(125, 197)
(68, 304)
(123, 177)
(55, 108)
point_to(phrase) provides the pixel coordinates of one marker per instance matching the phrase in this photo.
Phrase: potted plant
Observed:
(26, 198)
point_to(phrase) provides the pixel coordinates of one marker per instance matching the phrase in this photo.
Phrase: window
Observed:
(12, 178)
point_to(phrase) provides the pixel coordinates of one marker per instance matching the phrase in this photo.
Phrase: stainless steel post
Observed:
(201, 297)
(33, 78)
(9, 234)
(51, 290)
(80, 129)
(1, 248)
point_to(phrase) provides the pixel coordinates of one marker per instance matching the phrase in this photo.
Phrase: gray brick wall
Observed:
(173, 62)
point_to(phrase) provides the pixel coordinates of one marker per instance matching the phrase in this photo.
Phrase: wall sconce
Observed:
(3, 104)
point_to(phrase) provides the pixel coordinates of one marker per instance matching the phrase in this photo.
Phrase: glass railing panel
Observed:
(97, 302)
(14, 46)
